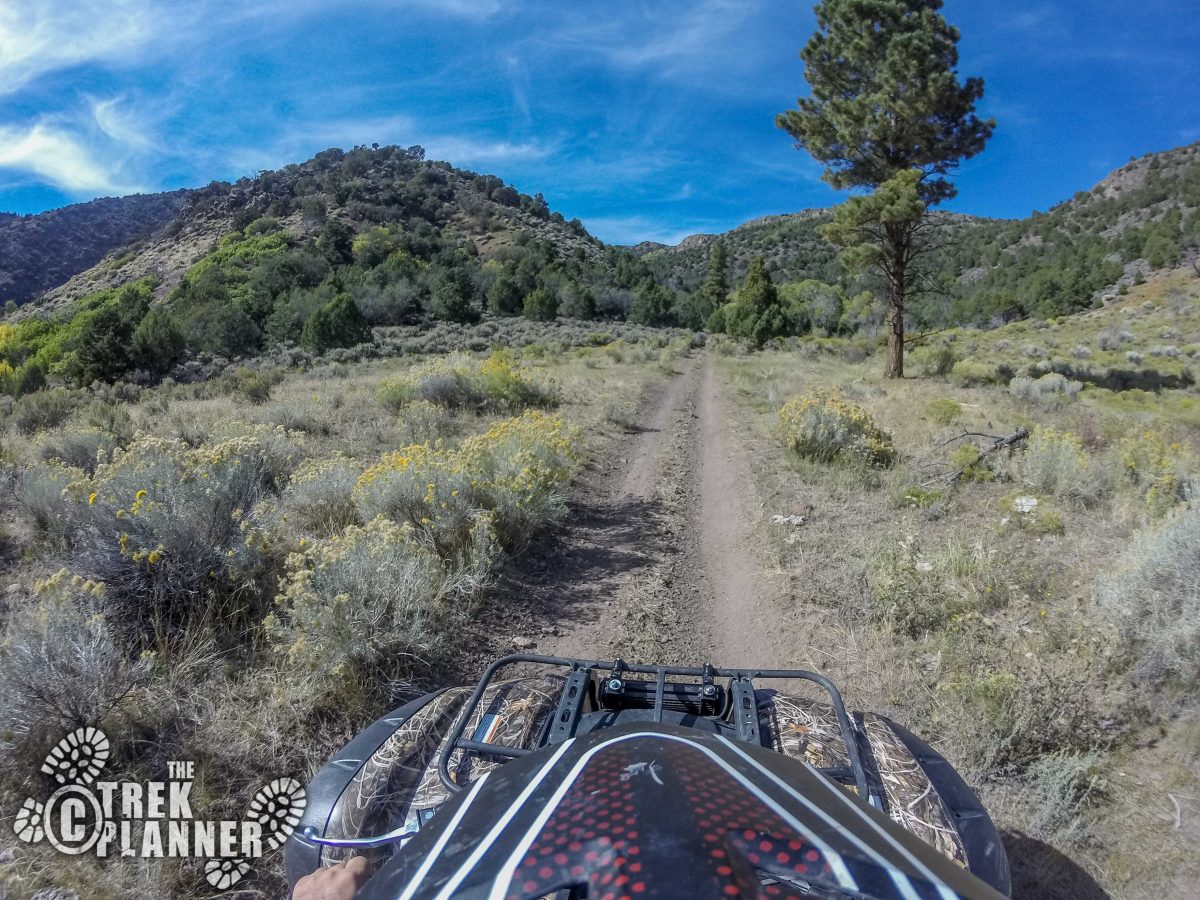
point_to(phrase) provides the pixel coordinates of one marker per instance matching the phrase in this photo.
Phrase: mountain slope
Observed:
(1143, 217)
(43, 251)
(363, 188)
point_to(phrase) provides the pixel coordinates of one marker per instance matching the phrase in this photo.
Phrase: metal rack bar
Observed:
(570, 706)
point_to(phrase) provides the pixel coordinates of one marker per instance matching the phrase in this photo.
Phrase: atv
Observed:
(573, 778)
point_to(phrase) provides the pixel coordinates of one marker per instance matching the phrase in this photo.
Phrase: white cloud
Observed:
(467, 151)
(41, 36)
(58, 157)
(121, 124)
(635, 229)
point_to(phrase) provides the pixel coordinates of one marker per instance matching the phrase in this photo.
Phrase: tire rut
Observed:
(656, 562)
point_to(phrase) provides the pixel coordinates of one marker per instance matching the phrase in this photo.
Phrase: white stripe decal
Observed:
(903, 885)
(501, 824)
(505, 876)
(432, 855)
(946, 892)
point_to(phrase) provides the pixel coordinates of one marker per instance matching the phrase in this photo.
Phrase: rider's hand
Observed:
(340, 882)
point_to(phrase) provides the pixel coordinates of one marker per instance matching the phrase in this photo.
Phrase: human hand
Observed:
(340, 882)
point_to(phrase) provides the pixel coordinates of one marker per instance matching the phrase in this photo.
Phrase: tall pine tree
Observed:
(888, 113)
(715, 289)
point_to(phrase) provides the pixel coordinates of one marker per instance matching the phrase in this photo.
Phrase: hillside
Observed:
(1143, 217)
(317, 254)
(363, 188)
(40, 252)
(793, 250)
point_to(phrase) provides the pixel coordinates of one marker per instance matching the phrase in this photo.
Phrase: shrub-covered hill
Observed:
(1141, 218)
(317, 254)
(790, 245)
(41, 252)
(390, 187)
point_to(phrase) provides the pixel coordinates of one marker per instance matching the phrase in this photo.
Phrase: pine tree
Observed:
(756, 311)
(651, 305)
(887, 112)
(715, 289)
(337, 324)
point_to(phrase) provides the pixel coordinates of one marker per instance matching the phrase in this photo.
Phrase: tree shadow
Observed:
(1040, 872)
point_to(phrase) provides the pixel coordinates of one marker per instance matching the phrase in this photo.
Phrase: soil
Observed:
(657, 562)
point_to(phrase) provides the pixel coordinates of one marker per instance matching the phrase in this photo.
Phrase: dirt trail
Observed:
(657, 563)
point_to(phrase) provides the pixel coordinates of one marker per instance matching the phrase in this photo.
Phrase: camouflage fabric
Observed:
(912, 801)
(387, 787)
(808, 730)
(400, 782)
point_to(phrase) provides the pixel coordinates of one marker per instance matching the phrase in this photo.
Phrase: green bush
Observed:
(1054, 462)
(944, 411)
(1160, 470)
(43, 410)
(933, 361)
(158, 341)
(1150, 596)
(254, 385)
(541, 306)
(453, 297)
(337, 324)
(970, 373)
(459, 382)
(918, 589)
(825, 427)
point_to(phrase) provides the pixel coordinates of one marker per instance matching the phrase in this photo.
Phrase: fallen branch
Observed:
(998, 444)
(966, 434)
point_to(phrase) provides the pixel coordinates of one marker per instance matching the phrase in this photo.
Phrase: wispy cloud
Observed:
(60, 158)
(40, 36)
(635, 229)
(470, 151)
(666, 38)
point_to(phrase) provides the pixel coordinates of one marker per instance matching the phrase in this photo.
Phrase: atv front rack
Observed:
(724, 694)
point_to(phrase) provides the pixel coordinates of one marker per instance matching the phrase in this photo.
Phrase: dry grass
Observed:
(1055, 691)
(269, 466)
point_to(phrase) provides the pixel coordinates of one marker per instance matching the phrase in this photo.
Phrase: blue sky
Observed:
(648, 120)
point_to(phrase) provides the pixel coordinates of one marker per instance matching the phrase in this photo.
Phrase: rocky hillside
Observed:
(316, 254)
(1143, 217)
(363, 188)
(790, 244)
(43, 251)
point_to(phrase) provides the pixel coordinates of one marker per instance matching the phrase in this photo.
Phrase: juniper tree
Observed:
(756, 311)
(715, 289)
(887, 113)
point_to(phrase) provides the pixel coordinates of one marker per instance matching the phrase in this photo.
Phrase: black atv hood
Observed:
(649, 810)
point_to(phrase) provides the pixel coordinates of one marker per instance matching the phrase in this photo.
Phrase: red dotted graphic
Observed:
(742, 831)
(592, 837)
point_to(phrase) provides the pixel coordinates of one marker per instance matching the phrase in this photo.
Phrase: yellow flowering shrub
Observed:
(458, 381)
(824, 426)
(372, 604)
(424, 486)
(518, 470)
(171, 532)
(1160, 469)
(1054, 462)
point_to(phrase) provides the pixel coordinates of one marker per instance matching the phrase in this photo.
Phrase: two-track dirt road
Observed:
(657, 562)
